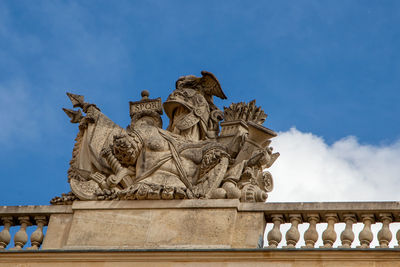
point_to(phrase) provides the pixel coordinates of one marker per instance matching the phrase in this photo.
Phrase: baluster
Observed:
(398, 239)
(366, 234)
(311, 235)
(275, 236)
(347, 236)
(21, 236)
(329, 235)
(37, 235)
(293, 234)
(5, 236)
(384, 235)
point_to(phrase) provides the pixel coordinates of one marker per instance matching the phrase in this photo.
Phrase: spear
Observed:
(77, 100)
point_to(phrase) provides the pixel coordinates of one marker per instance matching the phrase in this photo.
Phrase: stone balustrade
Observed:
(296, 215)
(24, 217)
(330, 213)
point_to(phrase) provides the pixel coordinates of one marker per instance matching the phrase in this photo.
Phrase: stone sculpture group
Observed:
(204, 153)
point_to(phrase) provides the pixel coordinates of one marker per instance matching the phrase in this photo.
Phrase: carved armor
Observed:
(185, 109)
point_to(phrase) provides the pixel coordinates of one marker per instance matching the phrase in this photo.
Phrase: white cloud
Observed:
(311, 170)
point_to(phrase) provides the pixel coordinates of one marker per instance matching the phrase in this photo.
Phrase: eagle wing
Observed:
(210, 85)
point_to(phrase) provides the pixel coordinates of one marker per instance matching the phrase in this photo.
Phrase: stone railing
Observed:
(311, 215)
(24, 217)
(303, 222)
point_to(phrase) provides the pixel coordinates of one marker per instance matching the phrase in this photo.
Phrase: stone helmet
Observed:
(197, 107)
(195, 94)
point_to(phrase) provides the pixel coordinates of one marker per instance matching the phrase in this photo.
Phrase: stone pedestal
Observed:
(150, 224)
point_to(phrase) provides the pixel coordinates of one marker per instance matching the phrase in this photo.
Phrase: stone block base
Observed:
(174, 224)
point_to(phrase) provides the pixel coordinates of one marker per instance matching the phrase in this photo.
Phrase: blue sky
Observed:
(331, 69)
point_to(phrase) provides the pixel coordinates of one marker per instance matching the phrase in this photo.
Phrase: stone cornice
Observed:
(230, 255)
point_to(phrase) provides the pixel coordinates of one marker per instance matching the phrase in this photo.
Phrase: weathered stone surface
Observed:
(152, 204)
(57, 231)
(204, 228)
(191, 159)
(109, 228)
(220, 258)
(198, 220)
(249, 228)
(155, 224)
(153, 228)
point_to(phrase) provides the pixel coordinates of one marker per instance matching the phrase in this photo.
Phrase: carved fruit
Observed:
(232, 191)
(218, 193)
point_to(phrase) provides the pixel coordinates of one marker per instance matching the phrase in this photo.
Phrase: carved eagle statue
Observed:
(208, 85)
